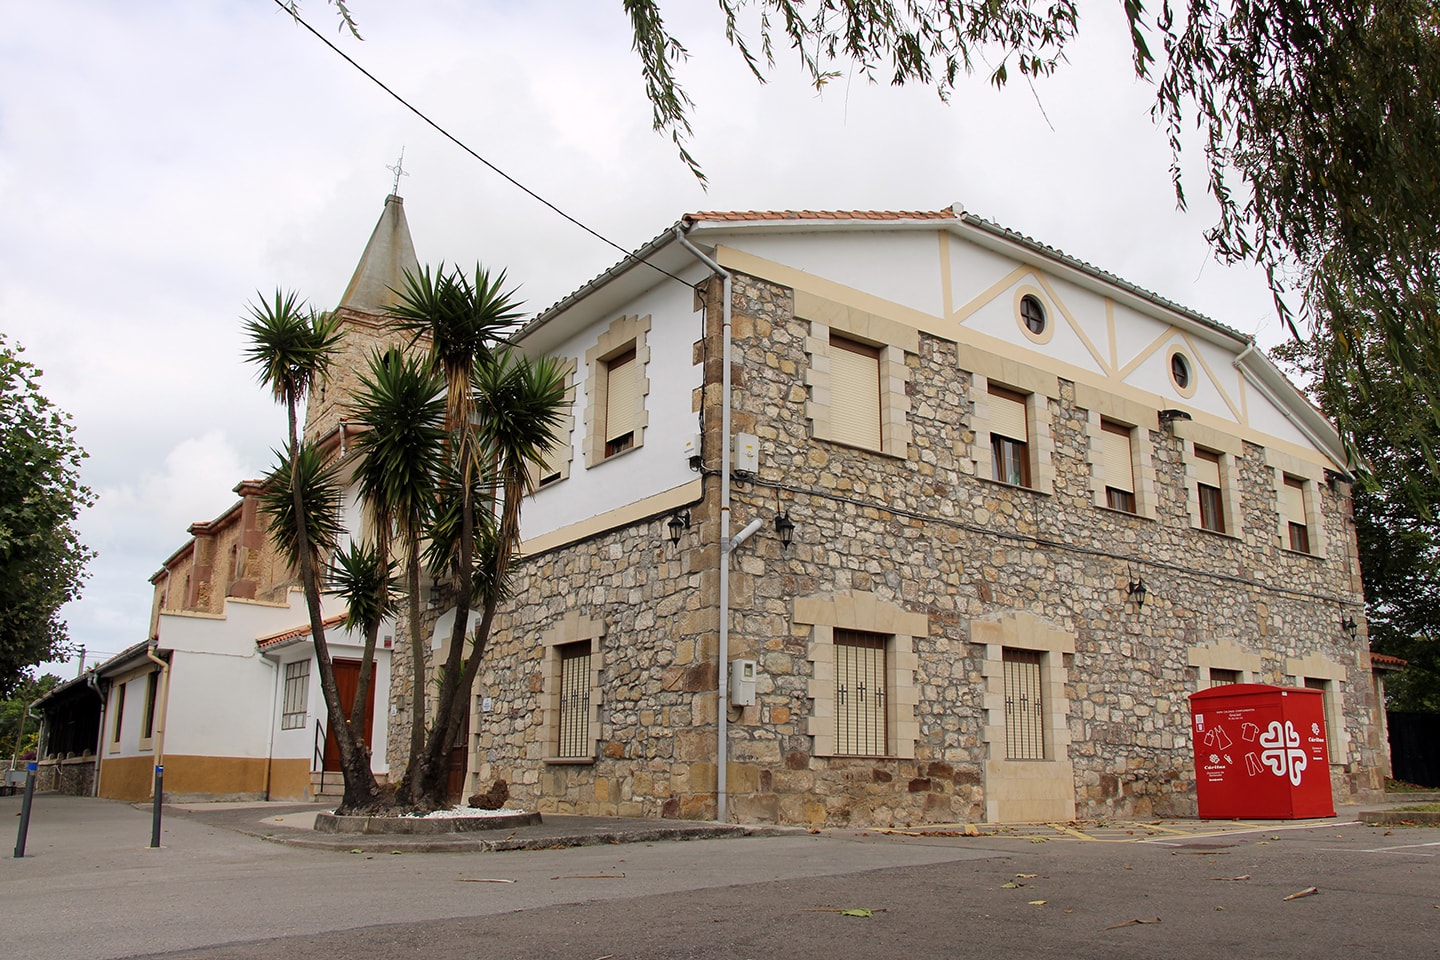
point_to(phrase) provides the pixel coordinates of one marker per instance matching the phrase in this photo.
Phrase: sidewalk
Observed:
(293, 825)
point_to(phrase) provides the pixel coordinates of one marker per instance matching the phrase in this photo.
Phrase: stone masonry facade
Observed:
(916, 545)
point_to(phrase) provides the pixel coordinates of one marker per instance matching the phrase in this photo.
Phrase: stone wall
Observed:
(885, 539)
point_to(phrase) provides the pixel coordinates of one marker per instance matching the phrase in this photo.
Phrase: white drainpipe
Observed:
(722, 717)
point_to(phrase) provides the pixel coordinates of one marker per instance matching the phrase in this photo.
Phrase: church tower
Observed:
(381, 271)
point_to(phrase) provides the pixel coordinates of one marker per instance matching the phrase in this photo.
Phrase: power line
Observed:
(459, 143)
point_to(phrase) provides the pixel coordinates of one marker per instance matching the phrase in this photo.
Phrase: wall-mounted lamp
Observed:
(1136, 590)
(678, 523)
(785, 529)
(1350, 627)
(434, 594)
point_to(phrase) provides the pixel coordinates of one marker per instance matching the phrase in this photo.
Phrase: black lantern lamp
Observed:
(1136, 590)
(785, 529)
(678, 523)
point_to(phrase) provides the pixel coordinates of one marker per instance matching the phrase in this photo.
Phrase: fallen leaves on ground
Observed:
(1132, 923)
(1038, 903)
(484, 880)
(1307, 892)
(590, 876)
(1243, 876)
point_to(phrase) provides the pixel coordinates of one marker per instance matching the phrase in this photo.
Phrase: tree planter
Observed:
(421, 826)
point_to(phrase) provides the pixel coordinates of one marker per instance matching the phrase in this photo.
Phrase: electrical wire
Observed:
(629, 255)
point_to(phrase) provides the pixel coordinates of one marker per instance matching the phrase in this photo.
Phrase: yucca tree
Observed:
(293, 347)
(400, 453)
(463, 321)
(364, 577)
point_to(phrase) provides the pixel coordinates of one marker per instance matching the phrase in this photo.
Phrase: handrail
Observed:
(317, 758)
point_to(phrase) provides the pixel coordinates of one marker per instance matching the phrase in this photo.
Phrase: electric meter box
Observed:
(747, 453)
(742, 683)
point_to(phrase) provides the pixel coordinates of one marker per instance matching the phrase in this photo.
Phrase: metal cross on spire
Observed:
(399, 170)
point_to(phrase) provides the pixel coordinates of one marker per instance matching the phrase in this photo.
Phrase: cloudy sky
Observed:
(162, 160)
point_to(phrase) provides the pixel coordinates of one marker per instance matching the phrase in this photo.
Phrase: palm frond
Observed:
(365, 580)
(320, 491)
(519, 404)
(290, 343)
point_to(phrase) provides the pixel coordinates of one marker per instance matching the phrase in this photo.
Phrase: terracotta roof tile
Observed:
(1386, 662)
(747, 215)
(275, 639)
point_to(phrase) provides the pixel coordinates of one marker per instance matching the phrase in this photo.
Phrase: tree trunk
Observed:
(361, 790)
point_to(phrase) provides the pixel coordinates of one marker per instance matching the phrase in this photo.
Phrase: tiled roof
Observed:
(1386, 662)
(275, 639)
(744, 215)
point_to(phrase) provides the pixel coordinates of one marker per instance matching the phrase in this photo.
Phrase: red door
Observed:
(459, 759)
(347, 679)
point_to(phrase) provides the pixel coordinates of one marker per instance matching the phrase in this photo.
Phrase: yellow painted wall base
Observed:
(290, 780)
(188, 778)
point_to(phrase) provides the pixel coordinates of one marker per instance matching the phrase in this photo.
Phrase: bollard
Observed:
(155, 808)
(30, 769)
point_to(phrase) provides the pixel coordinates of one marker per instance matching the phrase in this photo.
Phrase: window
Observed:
(1207, 489)
(119, 713)
(1220, 677)
(854, 393)
(1032, 314)
(297, 694)
(621, 402)
(1009, 438)
(1292, 508)
(860, 693)
(1180, 370)
(1119, 466)
(147, 725)
(616, 388)
(554, 462)
(574, 737)
(573, 664)
(1024, 711)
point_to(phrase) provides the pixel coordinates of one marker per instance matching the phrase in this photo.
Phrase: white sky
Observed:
(162, 160)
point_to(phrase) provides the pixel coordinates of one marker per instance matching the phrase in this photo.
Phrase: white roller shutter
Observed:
(854, 393)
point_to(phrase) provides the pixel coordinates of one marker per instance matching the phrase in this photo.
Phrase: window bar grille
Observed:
(860, 727)
(1024, 715)
(575, 702)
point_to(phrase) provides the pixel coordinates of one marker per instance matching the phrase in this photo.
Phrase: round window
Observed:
(1180, 370)
(1033, 314)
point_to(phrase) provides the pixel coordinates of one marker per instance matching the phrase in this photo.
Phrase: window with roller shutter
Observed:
(1009, 437)
(855, 393)
(1118, 460)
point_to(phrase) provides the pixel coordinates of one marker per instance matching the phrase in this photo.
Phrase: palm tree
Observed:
(463, 321)
(293, 348)
(400, 455)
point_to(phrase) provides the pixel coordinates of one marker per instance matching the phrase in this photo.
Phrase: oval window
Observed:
(1180, 370)
(1032, 313)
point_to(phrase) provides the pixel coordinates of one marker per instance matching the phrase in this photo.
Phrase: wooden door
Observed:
(347, 679)
(460, 759)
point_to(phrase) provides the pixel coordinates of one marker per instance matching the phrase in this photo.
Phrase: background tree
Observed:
(20, 734)
(293, 347)
(1396, 503)
(42, 562)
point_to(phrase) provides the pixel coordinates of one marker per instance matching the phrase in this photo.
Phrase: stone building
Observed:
(976, 519)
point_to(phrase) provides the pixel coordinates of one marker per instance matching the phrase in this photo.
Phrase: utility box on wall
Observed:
(1260, 752)
(742, 683)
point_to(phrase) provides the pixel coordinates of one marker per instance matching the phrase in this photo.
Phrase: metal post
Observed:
(30, 769)
(155, 807)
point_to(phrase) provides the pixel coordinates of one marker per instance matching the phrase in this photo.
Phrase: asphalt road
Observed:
(90, 889)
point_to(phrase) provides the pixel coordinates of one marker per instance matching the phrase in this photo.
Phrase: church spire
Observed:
(388, 255)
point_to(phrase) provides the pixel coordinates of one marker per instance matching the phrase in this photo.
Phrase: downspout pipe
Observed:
(93, 682)
(162, 701)
(722, 716)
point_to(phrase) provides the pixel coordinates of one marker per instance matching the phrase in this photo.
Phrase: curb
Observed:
(363, 843)
(1393, 817)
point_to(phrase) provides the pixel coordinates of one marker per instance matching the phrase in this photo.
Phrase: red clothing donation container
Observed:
(1260, 752)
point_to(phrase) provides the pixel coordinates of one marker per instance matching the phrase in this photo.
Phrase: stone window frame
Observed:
(573, 628)
(1311, 476)
(1039, 389)
(564, 433)
(1224, 654)
(1023, 631)
(891, 339)
(626, 333)
(1317, 666)
(1229, 449)
(868, 613)
(1100, 406)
